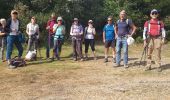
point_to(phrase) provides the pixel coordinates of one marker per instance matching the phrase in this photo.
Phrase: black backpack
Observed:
(18, 62)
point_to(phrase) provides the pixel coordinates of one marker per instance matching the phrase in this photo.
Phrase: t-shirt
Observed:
(154, 27)
(76, 30)
(3, 30)
(32, 28)
(60, 31)
(124, 27)
(14, 25)
(109, 32)
(89, 32)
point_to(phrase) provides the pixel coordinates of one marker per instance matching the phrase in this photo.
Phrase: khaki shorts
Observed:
(155, 42)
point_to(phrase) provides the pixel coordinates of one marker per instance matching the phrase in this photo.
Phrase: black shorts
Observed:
(110, 43)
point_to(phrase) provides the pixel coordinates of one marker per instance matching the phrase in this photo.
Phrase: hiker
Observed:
(124, 28)
(33, 33)
(154, 37)
(3, 34)
(59, 31)
(13, 26)
(76, 33)
(89, 34)
(50, 37)
(109, 38)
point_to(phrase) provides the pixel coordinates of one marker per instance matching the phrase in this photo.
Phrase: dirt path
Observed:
(88, 80)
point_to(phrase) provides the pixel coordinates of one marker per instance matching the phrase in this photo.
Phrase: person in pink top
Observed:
(154, 37)
(50, 38)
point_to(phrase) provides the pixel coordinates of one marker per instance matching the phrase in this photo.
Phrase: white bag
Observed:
(130, 40)
(30, 55)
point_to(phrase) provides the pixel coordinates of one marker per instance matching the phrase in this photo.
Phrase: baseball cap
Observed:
(154, 10)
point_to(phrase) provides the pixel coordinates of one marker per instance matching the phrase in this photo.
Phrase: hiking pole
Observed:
(143, 54)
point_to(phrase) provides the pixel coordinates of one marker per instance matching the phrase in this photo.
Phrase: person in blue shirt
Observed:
(59, 31)
(109, 38)
(124, 28)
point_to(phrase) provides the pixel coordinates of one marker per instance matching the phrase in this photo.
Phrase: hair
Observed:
(14, 12)
(110, 17)
(2, 21)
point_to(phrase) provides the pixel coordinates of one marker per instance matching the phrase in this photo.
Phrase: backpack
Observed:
(158, 29)
(18, 62)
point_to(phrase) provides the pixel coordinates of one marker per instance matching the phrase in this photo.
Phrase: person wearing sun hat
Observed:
(89, 34)
(59, 31)
(76, 33)
(154, 37)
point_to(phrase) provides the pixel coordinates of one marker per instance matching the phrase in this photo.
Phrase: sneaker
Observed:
(81, 59)
(86, 58)
(126, 66)
(58, 58)
(106, 60)
(148, 67)
(114, 60)
(95, 58)
(117, 65)
(11, 67)
(75, 59)
(159, 69)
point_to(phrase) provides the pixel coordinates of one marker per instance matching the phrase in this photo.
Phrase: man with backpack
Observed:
(154, 36)
(124, 28)
(13, 25)
(109, 38)
(50, 39)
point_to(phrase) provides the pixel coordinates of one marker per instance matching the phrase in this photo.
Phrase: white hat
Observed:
(90, 21)
(59, 18)
(130, 40)
(154, 10)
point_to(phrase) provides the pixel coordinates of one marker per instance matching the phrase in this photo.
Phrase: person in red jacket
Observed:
(50, 39)
(154, 37)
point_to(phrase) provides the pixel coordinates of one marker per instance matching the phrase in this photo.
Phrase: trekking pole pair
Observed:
(144, 54)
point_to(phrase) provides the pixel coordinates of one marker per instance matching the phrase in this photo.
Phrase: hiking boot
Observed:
(11, 67)
(126, 66)
(159, 69)
(106, 60)
(86, 58)
(114, 60)
(58, 58)
(148, 67)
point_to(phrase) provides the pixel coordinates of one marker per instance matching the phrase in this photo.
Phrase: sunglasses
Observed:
(154, 13)
(109, 20)
(59, 20)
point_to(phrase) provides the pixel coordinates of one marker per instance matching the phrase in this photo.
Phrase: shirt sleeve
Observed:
(163, 30)
(104, 29)
(145, 30)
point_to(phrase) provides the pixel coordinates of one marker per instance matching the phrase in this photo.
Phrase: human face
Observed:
(59, 22)
(122, 16)
(109, 20)
(76, 22)
(14, 16)
(33, 20)
(154, 15)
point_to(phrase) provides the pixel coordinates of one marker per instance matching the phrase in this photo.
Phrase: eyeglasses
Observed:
(154, 13)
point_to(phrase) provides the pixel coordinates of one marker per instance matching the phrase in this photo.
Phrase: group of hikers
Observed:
(115, 35)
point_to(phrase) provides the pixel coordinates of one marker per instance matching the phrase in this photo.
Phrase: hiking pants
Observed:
(77, 47)
(154, 43)
(121, 43)
(57, 46)
(90, 42)
(2, 47)
(32, 43)
(50, 44)
(13, 39)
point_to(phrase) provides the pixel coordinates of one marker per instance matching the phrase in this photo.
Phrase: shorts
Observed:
(110, 43)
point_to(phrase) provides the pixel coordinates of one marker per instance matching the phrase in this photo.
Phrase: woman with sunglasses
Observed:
(90, 32)
(33, 33)
(154, 37)
(59, 31)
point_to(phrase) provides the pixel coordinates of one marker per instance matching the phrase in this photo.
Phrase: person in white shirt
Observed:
(89, 34)
(13, 25)
(33, 33)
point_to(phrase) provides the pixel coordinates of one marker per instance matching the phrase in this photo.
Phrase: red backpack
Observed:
(154, 29)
